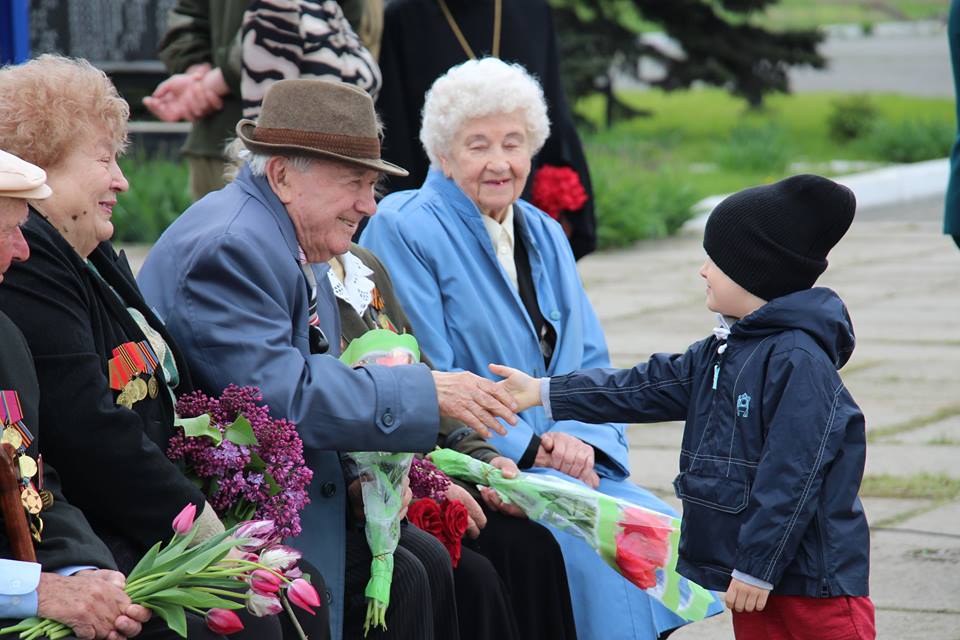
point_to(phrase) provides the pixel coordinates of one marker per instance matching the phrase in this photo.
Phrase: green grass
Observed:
(922, 485)
(689, 129)
(913, 424)
(813, 13)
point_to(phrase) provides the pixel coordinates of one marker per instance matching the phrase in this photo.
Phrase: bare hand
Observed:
(744, 598)
(474, 401)
(567, 454)
(524, 389)
(492, 499)
(166, 102)
(476, 519)
(406, 497)
(92, 604)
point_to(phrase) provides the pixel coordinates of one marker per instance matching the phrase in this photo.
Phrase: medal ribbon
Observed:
(130, 360)
(11, 415)
(10, 409)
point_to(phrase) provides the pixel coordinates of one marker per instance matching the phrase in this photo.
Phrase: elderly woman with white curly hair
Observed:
(487, 277)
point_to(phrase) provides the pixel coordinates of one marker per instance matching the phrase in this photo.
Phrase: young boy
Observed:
(774, 445)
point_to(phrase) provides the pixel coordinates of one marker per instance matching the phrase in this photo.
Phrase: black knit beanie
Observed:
(773, 240)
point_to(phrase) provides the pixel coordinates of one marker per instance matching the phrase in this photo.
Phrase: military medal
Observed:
(129, 360)
(28, 466)
(36, 526)
(11, 417)
(377, 300)
(139, 389)
(31, 500)
(12, 437)
(124, 400)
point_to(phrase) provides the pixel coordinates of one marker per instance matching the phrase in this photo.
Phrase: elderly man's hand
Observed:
(474, 401)
(492, 498)
(476, 519)
(92, 603)
(355, 499)
(567, 454)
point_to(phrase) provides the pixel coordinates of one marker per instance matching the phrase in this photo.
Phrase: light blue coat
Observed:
(226, 281)
(466, 314)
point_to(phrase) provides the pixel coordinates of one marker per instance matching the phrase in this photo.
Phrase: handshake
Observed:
(478, 402)
(191, 95)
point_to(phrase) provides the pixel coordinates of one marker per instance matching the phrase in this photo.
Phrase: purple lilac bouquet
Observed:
(426, 481)
(249, 465)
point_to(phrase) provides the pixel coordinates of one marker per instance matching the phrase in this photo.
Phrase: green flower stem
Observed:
(222, 592)
(293, 617)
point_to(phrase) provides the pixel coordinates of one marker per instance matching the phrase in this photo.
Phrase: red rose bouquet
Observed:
(445, 520)
(557, 189)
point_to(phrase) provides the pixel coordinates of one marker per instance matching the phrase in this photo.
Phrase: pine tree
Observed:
(719, 46)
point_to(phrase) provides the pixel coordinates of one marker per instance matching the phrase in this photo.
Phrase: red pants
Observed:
(801, 618)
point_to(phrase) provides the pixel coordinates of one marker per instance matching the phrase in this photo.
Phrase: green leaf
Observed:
(241, 432)
(256, 463)
(198, 427)
(198, 599)
(172, 614)
(146, 563)
(273, 485)
(208, 557)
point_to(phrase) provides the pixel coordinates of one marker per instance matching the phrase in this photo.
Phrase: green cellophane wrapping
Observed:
(381, 476)
(639, 543)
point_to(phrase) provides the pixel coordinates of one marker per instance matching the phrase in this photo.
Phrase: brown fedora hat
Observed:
(329, 119)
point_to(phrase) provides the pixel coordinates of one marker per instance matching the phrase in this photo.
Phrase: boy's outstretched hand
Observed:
(524, 389)
(744, 598)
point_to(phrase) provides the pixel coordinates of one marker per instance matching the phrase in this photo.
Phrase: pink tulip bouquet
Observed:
(174, 579)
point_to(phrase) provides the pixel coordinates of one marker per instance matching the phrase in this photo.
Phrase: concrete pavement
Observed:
(901, 280)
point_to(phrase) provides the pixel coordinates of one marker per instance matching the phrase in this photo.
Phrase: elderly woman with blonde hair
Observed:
(486, 277)
(76, 301)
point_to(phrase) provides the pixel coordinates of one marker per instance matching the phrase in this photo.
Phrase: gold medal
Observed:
(12, 437)
(153, 387)
(139, 389)
(28, 466)
(36, 527)
(125, 400)
(31, 501)
(47, 498)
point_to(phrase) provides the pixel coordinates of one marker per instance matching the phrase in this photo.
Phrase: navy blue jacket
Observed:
(773, 447)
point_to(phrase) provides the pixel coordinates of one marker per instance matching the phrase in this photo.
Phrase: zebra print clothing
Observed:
(300, 39)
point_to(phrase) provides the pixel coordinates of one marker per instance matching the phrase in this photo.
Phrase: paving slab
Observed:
(881, 509)
(945, 431)
(908, 460)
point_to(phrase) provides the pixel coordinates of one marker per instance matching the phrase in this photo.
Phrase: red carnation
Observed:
(557, 189)
(425, 515)
(455, 520)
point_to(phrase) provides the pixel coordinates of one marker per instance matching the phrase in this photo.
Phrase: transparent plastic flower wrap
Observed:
(639, 543)
(381, 475)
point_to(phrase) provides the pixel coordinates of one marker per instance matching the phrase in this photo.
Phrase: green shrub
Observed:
(633, 205)
(159, 192)
(749, 147)
(910, 140)
(851, 118)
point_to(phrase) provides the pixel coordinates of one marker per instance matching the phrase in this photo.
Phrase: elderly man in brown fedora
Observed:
(240, 280)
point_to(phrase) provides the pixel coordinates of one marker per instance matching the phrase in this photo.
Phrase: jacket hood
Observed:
(818, 312)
